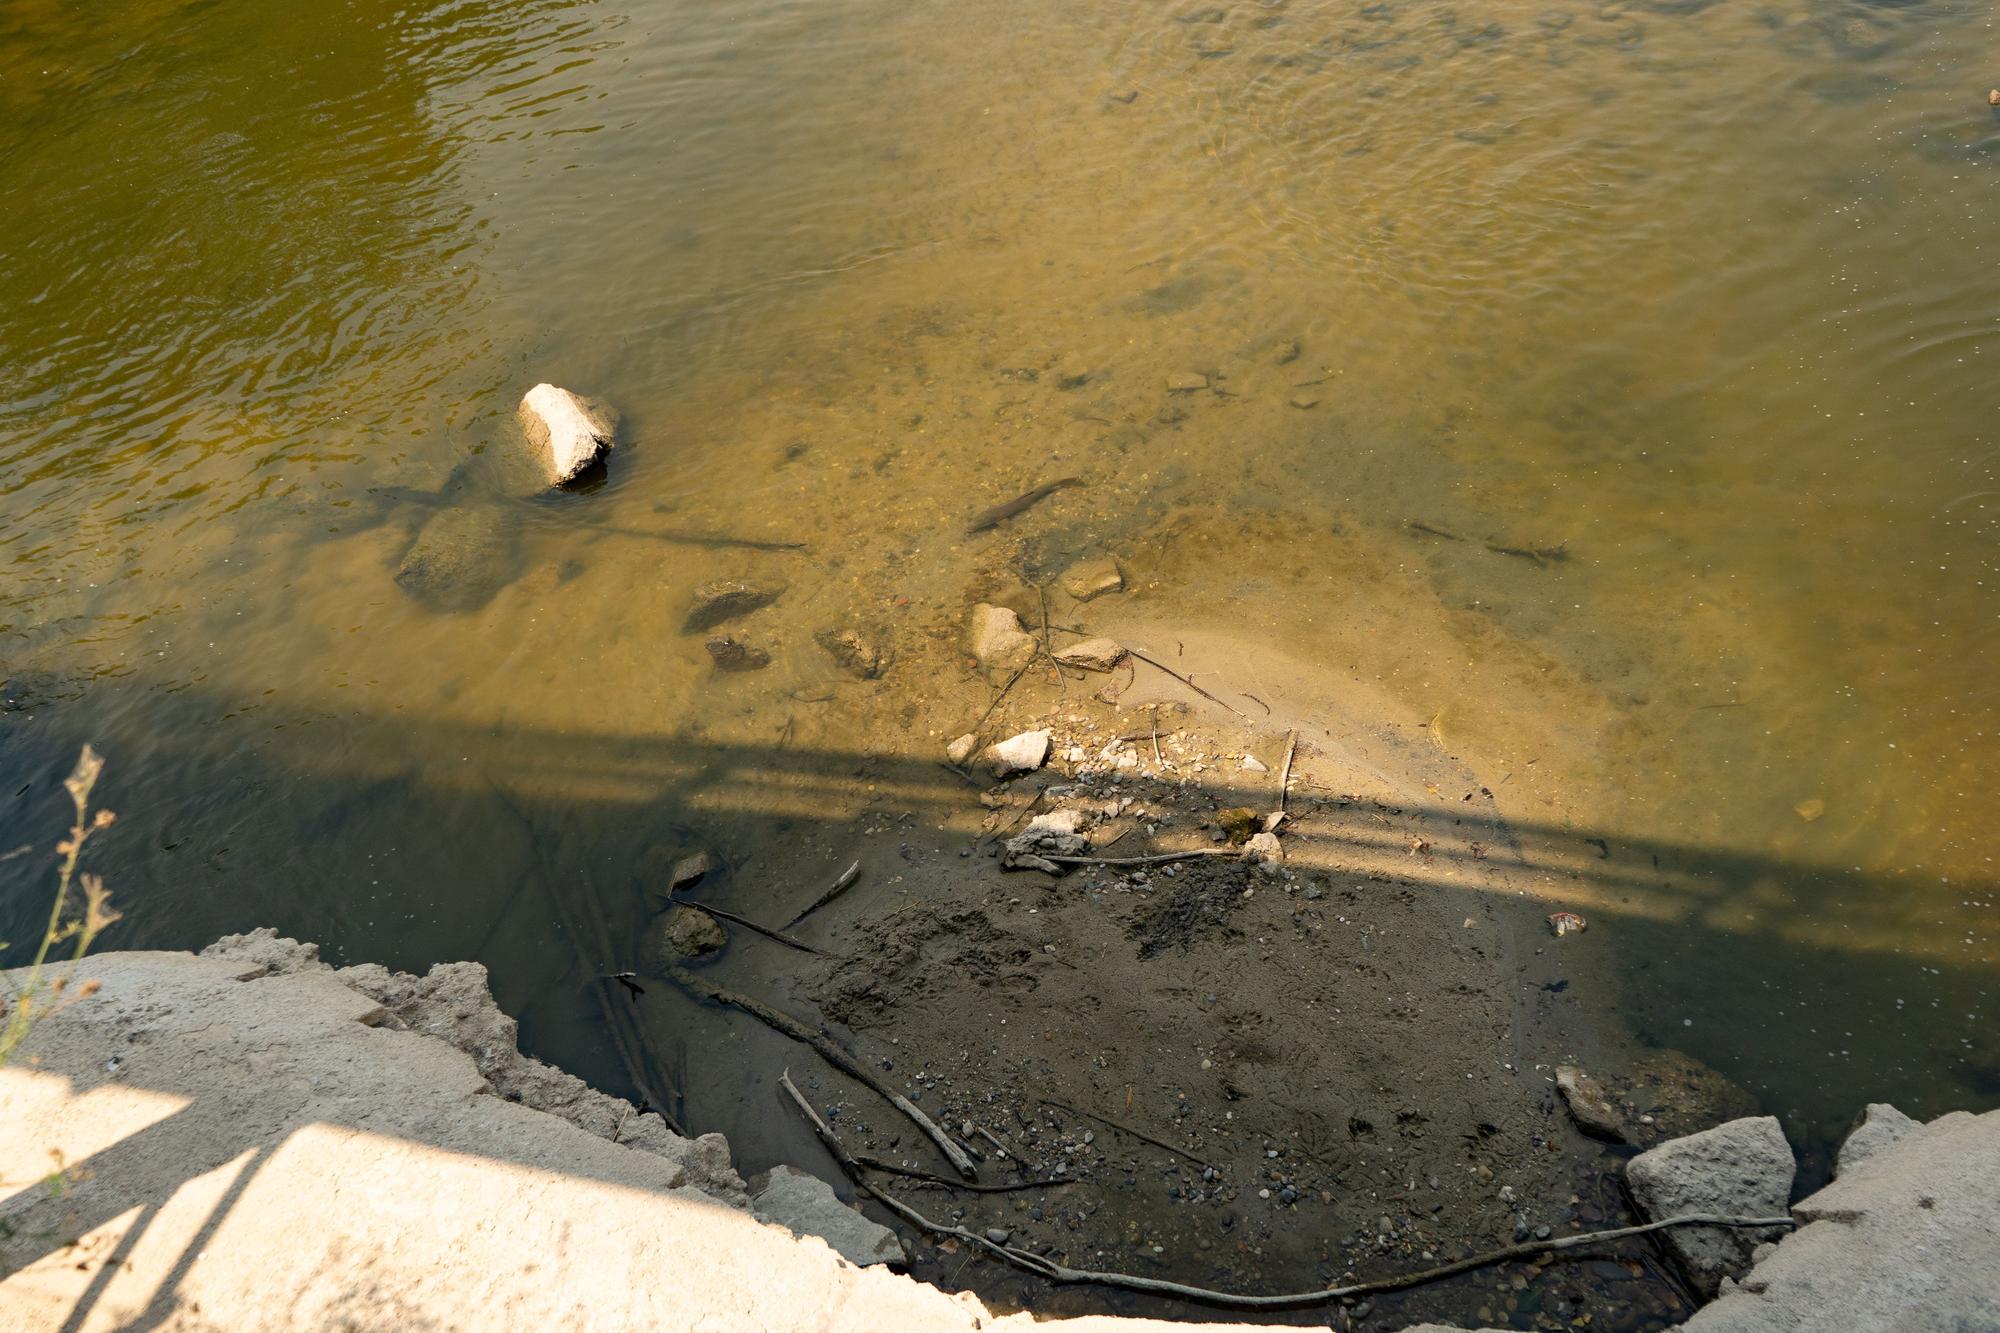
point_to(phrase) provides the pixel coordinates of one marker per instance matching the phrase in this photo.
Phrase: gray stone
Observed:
(1092, 654)
(1906, 1244)
(459, 558)
(1017, 754)
(1590, 1105)
(1880, 1125)
(568, 434)
(1092, 578)
(726, 599)
(998, 642)
(807, 1205)
(1264, 851)
(1057, 833)
(1743, 1168)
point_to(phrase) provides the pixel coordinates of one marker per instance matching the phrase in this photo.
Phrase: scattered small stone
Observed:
(726, 599)
(1567, 923)
(1287, 352)
(853, 651)
(1810, 809)
(562, 427)
(735, 655)
(1993, 97)
(689, 870)
(961, 749)
(998, 642)
(1305, 401)
(1187, 382)
(1017, 754)
(999, 1235)
(1092, 654)
(1544, 1231)
(1252, 764)
(1092, 578)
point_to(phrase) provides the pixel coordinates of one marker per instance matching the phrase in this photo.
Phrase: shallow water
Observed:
(1699, 302)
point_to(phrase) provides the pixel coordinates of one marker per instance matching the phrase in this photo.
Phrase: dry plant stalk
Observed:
(49, 985)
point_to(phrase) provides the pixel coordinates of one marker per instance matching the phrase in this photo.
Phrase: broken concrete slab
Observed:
(804, 1203)
(569, 435)
(1909, 1241)
(1743, 1168)
(1879, 1126)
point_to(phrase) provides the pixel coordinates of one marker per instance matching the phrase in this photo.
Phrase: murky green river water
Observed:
(1700, 301)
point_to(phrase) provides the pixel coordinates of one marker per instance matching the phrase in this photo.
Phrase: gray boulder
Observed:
(806, 1204)
(1880, 1125)
(1743, 1168)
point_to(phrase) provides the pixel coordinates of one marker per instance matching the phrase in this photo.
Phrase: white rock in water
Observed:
(961, 749)
(1017, 754)
(559, 423)
(1092, 654)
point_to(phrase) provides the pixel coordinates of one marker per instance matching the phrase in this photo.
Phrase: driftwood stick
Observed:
(745, 922)
(932, 1178)
(833, 1055)
(1124, 1128)
(1158, 858)
(847, 877)
(1285, 773)
(1061, 1273)
(1022, 670)
(1185, 681)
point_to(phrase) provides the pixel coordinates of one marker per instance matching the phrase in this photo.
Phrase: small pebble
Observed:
(999, 1235)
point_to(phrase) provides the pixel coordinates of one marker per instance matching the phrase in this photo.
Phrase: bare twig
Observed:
(1184, 680)
(1285, 773)
(1018, 673)
(1159, 858)
(847, 877)
(970, 1186)
(745, 922)
(833, 1055)
(1060, 1273)
(1124, 1128)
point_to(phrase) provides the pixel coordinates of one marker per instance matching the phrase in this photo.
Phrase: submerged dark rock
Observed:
(459, 559)
(720, 600)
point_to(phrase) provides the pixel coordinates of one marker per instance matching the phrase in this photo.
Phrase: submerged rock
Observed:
(569, 435)
(1590, 1105)
(997, 641)
(961, 749)
(1742, 1168)
(682, 932)
(458, 560)
(1017, 754)
(1092, 578)
(726, 599)
(854, 651)
(806, 1204)
(1092, 654)
(735, 655)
